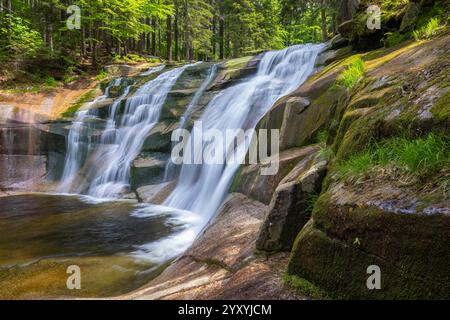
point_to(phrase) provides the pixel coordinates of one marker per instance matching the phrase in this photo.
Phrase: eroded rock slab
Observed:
(221, 263)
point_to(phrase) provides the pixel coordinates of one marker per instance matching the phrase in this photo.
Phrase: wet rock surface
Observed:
(221, 264)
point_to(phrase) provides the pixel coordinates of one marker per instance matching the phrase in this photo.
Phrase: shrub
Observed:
(354, 72)
(430, 29)
(50, 82)
(394, 38)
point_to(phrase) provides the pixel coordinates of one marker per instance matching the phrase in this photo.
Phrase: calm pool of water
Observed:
(41, 235)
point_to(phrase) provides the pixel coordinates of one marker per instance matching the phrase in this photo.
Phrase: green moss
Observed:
(237, 180)
(303, 288)
(441, 110)
(238, 63)
(88, 96)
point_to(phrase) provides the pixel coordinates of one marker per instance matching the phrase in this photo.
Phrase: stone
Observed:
(121, 70)
(221, 264)
(338, 42)
(155, 194)
(410, 18)
(395, 228)
(148, 169)
(290, 208)
(250, 182)
(329, 56)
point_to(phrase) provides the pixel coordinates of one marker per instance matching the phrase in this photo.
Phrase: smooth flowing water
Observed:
(170, 172)
(202, 188)
(108, 164)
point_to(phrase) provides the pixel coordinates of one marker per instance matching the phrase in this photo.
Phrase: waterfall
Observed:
(201, 189)
(170, 167)
(153, 70)
(108, 164)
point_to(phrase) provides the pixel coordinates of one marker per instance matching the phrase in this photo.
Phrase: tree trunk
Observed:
(323, 14)
(221, 38)
(83, 45)
(176, 33)
(153, 52)
(169, 38)
(187, 47)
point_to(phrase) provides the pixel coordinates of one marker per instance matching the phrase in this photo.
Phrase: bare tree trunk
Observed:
(153, 36)
(169, 38)
(187, 47)
(323, 14)
(221, 38)
(176, 32)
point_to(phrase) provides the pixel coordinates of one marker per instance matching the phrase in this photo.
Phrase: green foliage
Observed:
(395, 38)
(421, 157)
(354, 72)
(304, 288)
(430, 29)
(17, 39)
(50, 82)
(101, 76)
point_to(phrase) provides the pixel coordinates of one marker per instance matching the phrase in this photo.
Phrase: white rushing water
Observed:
(201, 189)
(170, 171)
(109, 162)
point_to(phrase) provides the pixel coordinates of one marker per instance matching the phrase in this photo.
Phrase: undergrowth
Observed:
(421, 157)
(354, 72)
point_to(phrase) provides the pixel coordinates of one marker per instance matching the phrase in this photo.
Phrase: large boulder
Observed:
(251, 182)
(291, 205)
(382, 225)
(410, 18)
(147, 169)
(311, 108)
(157, 193)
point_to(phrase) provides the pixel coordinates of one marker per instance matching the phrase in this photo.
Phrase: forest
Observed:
(33, 32)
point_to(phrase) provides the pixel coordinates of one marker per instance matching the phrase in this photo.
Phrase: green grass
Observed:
(303, 287)
(101, 76)
(430, 29)
(88, 96)
(421, 157)
(354, 72)
(395, 38)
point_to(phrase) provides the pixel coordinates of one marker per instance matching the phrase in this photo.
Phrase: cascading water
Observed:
(78, 147)
(201, 189)
(170, 167)
(153, 70)
(109, 162)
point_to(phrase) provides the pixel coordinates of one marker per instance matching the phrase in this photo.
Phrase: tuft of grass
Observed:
(430, 29)
(303, 287)
(88, 96)
(421, 157)
(321, 137)
(101, 76)
(354, 72)
(395, 38)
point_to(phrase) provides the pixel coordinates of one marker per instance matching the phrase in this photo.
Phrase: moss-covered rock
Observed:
(353, 228)
(291, 205)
